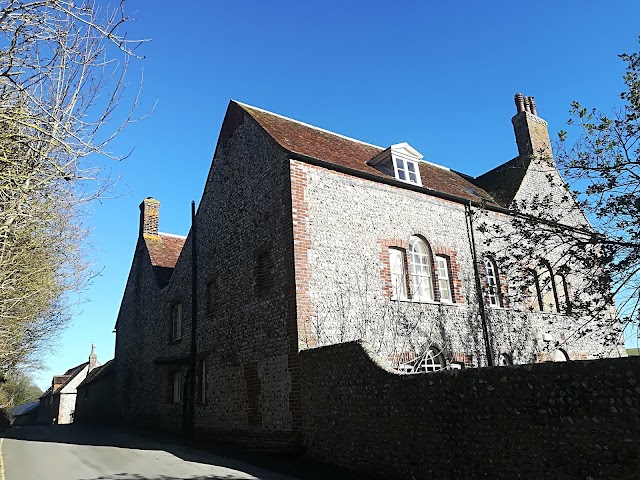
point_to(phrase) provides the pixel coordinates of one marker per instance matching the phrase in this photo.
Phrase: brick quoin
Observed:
(301, 246)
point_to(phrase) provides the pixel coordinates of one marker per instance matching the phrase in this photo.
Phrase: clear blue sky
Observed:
(439, 75)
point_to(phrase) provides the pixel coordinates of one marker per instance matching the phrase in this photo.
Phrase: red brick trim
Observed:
(301, 246)
(455, 280)
(385, 269)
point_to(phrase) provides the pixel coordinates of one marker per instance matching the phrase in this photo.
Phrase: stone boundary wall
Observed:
(571, 420)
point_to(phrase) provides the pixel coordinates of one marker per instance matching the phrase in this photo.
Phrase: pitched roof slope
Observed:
(298, 137)
(504, 181)
(97, 373)
(164, 250)
(71, 373)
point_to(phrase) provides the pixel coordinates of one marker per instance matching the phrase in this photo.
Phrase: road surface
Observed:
(86, 453)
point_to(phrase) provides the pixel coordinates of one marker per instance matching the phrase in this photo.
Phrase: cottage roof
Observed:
(24, 409)
(70, 374)
(164, 250)
(301, 138)
(98, 372)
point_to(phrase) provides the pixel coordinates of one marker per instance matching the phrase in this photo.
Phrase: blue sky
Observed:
(438, 75)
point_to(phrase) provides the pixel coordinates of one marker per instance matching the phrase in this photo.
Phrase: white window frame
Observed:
(444, 283)
(176, 321)
(406, 170)
(432, 361)
(177, 386)
(420, 275)
(398, 276)
(493, 282)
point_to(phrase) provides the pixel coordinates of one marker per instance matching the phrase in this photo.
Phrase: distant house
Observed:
(58, 403)
(94, 401)
(25, 414)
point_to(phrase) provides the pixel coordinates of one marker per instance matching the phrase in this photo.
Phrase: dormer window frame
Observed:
(404, 169)
(401, 159)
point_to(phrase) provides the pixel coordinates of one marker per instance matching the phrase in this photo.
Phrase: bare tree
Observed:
(411, 336)
(62, 71)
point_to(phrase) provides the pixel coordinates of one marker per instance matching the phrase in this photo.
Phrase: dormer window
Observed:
(399, 161)
(406, 170)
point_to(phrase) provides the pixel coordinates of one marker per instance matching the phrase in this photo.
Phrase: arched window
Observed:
(504, 359)
(420, 270)
(560, 355)
(535, 294)
(493, 282)
(547, 289)
(562, 292)
(431, 361)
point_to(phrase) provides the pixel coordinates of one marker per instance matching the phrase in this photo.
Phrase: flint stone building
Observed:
(306, 238)
(58, 402)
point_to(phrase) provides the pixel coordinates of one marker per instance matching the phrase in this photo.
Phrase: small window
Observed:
(504, 359)
(177, 386)
(430, 361)
(406, 170)
(443, 279)
(420, 270)
(176, 321)
(433, 361)
(493, 282)
(398, 284)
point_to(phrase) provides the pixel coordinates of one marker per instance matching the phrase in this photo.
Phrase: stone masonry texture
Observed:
(571, 420)
(246, 338)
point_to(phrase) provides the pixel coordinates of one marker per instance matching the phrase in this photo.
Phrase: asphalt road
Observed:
(86, 453)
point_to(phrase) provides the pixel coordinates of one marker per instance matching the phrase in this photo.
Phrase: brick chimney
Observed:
(532, 135)
(149, 212)
(93, 358)
(58, 381)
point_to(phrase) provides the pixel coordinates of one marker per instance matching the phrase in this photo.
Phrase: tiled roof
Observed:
(504, 181)
(24, 409)
(98, 372)
(164, 250)
(297, 137)
(72, 372)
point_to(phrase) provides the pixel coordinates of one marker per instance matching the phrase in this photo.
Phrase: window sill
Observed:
(426, 302)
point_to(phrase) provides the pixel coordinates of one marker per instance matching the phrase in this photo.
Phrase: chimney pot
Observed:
(149, 213)
(519, 98)
(93, 358)
(532, 103)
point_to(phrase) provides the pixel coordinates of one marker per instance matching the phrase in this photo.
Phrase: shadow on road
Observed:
(237, 458)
